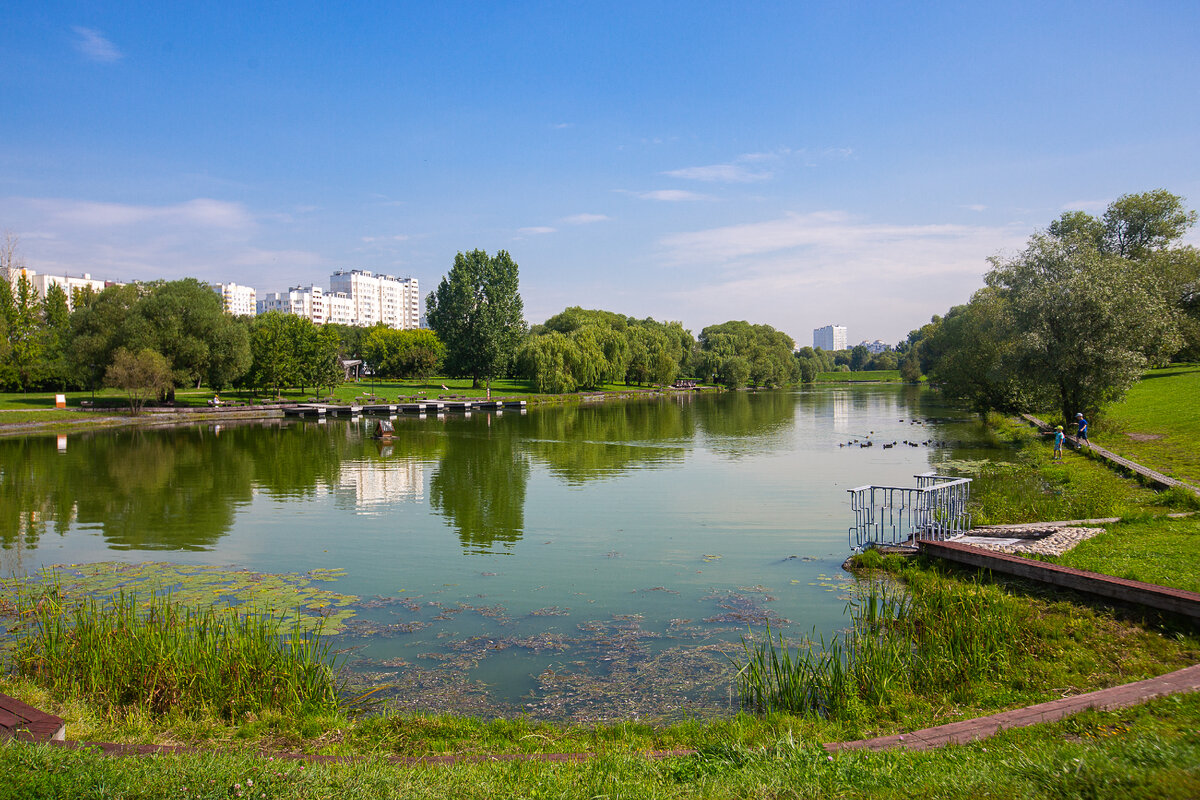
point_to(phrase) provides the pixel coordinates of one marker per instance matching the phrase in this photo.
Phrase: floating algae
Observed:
(743, 607)
(289, 596)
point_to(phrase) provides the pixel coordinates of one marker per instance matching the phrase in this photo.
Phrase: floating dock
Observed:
(325, 410)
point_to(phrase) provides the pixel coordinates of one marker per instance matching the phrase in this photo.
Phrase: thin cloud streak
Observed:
(95, 46)
(584, 219)
(202, 212)
(672, 196)
(723, 173)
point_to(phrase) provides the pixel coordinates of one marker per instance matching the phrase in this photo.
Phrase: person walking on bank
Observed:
(1081, 434)
(1058, 442)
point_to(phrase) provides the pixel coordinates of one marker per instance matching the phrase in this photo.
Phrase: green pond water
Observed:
(580, 562)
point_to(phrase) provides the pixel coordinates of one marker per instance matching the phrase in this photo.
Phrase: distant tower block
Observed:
(831, 337)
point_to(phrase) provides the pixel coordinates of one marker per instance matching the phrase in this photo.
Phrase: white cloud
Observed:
(671, 195)
(202, 238)
(201, 212)
(976, 207)
(835, 237)
(804, 270)
(95, 46)
(401, 237)
(1086, 205)
(725, 173)
(584, 219)
(558, 126)
(536, 230)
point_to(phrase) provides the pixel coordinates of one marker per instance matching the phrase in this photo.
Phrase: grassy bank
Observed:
(1146, 752)
(1158, 423)
(1029, 486)
(873, 376)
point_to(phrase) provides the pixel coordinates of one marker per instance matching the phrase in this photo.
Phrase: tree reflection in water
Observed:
(480, 483)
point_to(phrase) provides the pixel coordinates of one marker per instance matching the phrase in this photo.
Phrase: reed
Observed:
(932, 635)
(160, 656)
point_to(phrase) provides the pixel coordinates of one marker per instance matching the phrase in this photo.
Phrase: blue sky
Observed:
(794, 163)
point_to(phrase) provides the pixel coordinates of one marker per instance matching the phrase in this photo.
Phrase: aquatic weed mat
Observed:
(291, 597)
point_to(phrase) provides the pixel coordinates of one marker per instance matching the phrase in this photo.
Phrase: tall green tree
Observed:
(140, 375)
(25, 333)
(229, 356)
(185, 321)
(477, 312)
(56, 320)
(1086, 322)
(98, 329)
(274, 361)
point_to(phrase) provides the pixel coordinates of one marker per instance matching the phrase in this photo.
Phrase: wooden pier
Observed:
(326, 410)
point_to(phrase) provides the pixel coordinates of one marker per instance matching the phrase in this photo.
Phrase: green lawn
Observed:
(383, 390)
(1152, 751)
(1158, 423)
(879, 375)
(1155, 551)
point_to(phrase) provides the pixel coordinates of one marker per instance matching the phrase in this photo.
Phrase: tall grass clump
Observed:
(932, 636)
(160, 656)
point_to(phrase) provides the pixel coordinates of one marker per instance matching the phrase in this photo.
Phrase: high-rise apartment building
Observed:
(831, 337)
(241, 301)
(303, 301)
(396, 302)
(42, 283)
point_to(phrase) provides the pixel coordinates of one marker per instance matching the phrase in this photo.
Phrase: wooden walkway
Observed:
(1156, 478)
(26, 723)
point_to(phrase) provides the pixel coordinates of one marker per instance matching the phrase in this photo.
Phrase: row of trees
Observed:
(170, 334)
(1076, 317)
(476, 312)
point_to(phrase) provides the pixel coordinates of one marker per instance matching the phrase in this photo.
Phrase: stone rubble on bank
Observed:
(1043, 540)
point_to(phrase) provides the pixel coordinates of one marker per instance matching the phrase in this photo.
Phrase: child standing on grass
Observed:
(1058, 442)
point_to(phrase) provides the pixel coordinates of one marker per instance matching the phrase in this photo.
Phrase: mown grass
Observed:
(389, 390)
(1161, 551)
(1152, 751)
(1031, 487)
(153, 655)
(871, 376)
(1163, 404)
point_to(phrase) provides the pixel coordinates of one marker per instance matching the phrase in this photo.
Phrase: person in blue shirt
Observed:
(1058, 442)
(1081, 434)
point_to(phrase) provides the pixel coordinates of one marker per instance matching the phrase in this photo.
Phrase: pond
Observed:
(580, 562)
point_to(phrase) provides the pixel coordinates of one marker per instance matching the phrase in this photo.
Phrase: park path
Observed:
(1108, 455)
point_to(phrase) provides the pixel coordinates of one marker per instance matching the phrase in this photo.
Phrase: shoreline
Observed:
(89, 420)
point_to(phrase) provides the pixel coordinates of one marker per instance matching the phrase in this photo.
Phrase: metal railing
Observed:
(935, 509)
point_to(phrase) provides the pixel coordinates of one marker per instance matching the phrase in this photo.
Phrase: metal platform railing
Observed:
(935, 509)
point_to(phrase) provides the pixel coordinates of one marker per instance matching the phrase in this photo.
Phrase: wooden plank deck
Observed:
(22, 721)
(1132, 466)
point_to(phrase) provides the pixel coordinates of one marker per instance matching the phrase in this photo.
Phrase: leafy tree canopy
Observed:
(477, 312)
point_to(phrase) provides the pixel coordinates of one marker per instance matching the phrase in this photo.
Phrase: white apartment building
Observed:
(396, 302)
(42, 283)
(831, 337)
(876, 347)
(241, 301)
(339, 308)
(303, 301)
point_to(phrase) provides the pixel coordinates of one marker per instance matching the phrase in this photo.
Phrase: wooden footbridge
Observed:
(420, 407)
